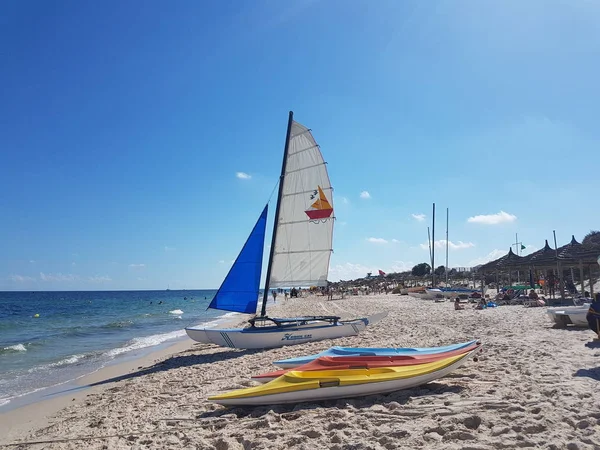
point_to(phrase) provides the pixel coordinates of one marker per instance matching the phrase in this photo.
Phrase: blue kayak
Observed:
(369, 351)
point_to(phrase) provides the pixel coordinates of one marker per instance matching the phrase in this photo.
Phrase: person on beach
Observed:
(593, 316)
(481, 304)
(274, 294)
(457, 305)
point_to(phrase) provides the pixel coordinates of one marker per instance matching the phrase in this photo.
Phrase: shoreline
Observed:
(37, 413)
(532, 386)
(36, 410)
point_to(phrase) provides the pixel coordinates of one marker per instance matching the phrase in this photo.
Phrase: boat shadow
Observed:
(393, 401)
(568, 328)
(593, 373)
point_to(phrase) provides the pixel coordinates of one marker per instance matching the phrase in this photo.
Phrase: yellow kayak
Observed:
(296, 386)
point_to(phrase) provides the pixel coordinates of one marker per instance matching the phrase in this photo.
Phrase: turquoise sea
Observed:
(76, 333)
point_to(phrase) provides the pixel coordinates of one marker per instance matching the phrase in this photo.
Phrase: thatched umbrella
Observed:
(507, 261)
(536, 258)
(575, 253)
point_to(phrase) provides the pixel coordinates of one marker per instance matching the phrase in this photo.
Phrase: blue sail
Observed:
(239, 291)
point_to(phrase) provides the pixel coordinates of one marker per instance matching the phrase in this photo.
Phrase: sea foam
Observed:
(14, 348)
(143, 342)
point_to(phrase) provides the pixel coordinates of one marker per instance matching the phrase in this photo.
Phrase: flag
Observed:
(522, 247)
(382, 273)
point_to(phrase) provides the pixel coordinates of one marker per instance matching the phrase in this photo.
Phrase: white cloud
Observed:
(374, 240)
(494, 254)
(222, 261)
(137, 266)
(169, 249)
(395, 241)
(419, 217)
(344, 200)
(493, 219)
(20, 278)
(243, 175)
(365, 195)
(458, 245)
(349, 271)
(402, 266)
(32, 261)
(99, 279)
(58, 277)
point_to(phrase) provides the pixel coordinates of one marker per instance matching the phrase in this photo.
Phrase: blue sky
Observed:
(123, 127)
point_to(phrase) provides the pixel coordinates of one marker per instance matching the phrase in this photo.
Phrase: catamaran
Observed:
(301, 246)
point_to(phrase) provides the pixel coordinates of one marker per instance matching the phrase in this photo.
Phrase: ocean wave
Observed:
(4, 401)
(69, 360)
(176, 311)
(119, 324)
(73, 359)
(144, 342)
(86, 330)
(17, 348)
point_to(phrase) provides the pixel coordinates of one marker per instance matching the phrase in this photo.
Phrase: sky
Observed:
(140, 142)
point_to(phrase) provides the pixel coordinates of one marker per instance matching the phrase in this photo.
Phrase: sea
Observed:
(48, 339)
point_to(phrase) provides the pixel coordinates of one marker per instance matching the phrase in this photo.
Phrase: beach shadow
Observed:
(593, 373)
(568, 328)
(400, 397)
(593, 344)
(174, 362)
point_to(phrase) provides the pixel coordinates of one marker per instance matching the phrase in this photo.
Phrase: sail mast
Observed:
(447, 216)
(433, 249)
(263, 309)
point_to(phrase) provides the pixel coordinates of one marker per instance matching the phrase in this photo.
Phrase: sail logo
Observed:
(321, 209)
(291, 337)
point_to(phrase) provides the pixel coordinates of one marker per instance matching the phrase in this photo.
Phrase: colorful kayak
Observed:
(373, 351)
(296, 386)
(365, 362)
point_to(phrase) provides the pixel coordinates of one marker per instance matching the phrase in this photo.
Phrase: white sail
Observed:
(305, 223)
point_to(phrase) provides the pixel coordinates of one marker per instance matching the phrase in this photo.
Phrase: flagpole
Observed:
(447, 216)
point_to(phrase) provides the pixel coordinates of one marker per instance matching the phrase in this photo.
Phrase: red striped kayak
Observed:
(366, 362)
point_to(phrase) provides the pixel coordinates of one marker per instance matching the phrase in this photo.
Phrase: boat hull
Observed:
(272, 337)
(370, 351)
(320, 389)
(449, 292)
(572, 315)
(355, 362)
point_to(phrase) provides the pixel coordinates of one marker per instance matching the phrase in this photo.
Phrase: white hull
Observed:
(427, 295)
(574, 315)
(271, 337)
(356, 390)
(435, 293)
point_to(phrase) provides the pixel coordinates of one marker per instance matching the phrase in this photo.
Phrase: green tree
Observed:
(592, 239)
(421, 270)
(441, 270)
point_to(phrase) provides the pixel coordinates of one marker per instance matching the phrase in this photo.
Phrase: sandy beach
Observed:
(532, 386)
